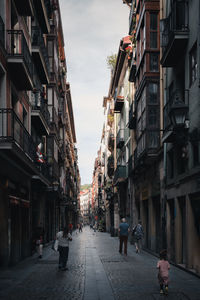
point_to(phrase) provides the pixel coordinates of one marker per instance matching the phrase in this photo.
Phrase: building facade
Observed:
(33, 110)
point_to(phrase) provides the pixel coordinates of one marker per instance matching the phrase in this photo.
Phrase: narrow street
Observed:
(96, 271)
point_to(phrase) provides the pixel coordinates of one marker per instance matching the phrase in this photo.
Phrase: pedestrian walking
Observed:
(123, 236)
(39, 246)
(70, 228)
(138, 234)
(80, 227)
(63, 247)
(163, 272)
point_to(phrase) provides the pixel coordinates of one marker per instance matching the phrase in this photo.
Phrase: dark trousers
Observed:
(63, 256)
(123, 239)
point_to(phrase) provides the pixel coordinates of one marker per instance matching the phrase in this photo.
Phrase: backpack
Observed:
(139, 231)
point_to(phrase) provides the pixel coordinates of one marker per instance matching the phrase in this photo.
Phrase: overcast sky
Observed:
(92, 31)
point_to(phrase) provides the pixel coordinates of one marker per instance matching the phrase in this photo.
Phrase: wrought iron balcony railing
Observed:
(38, 41)
(17, 47)
(13, 130)
(120, 139)
(120, 174)
(39, 104)
(174, 32)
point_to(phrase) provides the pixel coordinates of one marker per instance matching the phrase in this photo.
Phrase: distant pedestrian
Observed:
(80, 227)
(163, 272)
(70, 228)
(138, 234)
(63, 247)
(39, 246)
(123, 235)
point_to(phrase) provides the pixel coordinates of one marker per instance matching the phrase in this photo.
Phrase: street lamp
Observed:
(178, 113)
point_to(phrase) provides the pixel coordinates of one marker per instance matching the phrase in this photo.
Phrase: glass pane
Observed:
(152, 116)
(153, 22)
(153, 92)
(153, 62)
(153, 40)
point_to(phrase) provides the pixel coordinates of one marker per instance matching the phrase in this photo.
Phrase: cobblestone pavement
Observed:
(96, 271)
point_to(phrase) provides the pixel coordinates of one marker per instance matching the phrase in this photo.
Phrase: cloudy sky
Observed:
(92, 31)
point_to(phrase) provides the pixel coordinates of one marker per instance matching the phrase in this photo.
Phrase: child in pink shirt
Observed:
(163, 272)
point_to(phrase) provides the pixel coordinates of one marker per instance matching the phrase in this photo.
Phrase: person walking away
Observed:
(80, 227)
(123, 236)
(163, 272)
(70, 228)
(138, 235)
(63, 247)
(39, 246)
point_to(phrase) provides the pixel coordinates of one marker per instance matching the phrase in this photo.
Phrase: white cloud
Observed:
(92, 31)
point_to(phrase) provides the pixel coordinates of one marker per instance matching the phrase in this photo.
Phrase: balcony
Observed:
(53, 170)
(2, 32)
(19, 60)
(110, 166)
(61, 114)
(148, 146)
(120, 139)
(119, 175)
(40, 55)
(54, 121)
(24, 7)
(40, 115)
(118, 103)
(14, 138)
(132, 76)
(43, 11)
(61, 153)
(174, 33)
(111, 141)
(132, 118)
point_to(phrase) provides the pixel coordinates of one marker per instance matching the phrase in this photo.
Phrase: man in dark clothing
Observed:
(123, 236)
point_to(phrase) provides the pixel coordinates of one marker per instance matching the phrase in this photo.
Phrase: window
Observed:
(153, 112)
(193, 64)
(153, 62)
(153, 93)
(50, 54)
(153, 31)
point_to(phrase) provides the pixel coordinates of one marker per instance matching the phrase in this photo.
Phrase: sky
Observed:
(92, 31)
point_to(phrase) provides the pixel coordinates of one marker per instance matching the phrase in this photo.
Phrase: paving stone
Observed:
(96, 272)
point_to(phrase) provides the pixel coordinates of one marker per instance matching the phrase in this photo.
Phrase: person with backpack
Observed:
(138, 234)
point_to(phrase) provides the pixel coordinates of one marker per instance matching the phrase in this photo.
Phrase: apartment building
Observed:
(34, 107)
(180, 62)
